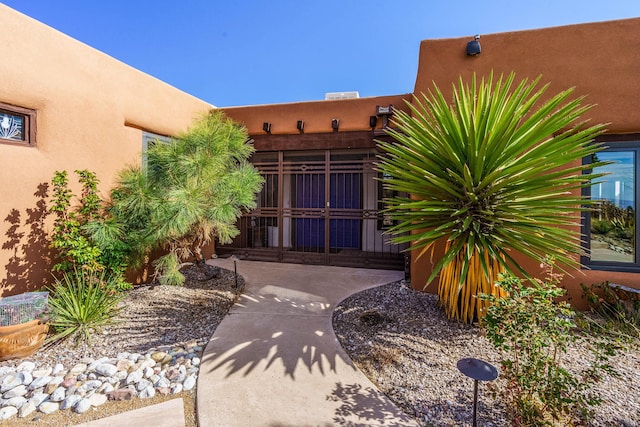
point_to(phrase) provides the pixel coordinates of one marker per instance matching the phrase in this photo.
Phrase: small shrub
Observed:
(601, 226)
(618, 311)
(532, 331)
(82, 303)
(86, 237)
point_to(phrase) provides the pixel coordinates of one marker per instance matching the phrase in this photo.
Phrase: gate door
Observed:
(317, 208)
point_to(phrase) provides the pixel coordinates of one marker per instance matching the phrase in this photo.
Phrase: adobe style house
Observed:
(319, 203)
(77, 108)
(66, 106)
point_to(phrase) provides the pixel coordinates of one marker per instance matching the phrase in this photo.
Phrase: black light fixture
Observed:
(300, 126)
(373, 122)
(385, 113)
(266, 126)
(335, 124)
(473, 47)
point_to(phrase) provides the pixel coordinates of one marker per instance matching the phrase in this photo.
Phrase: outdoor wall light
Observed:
(300, 126)
(373, 122)
(473, 47)
(266, 126)
(335, 124)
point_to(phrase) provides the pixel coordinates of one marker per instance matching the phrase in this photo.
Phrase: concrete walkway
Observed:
(275, 361)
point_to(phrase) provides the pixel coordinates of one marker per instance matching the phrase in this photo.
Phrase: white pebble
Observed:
(8, 412)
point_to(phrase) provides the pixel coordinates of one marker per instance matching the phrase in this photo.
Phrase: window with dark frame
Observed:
(611, 238)
(17, 125)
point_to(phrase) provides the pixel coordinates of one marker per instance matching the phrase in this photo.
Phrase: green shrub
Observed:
(601, 226)
(533, 331)
(82, 302)
(618, 311)
(86, 237)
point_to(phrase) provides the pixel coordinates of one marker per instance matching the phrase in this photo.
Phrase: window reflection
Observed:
(613, 216)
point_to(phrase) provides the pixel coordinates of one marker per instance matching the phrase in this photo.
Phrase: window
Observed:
(611, 232)
(149, 139)
(17, 125)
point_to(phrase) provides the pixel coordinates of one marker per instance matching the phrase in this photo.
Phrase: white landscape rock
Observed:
(26, 409)
(8, 412)
(82, 406)
(106, 369)
(97, 399)
(189, 383)
(49, 407)
(20, 390)
(70, 401)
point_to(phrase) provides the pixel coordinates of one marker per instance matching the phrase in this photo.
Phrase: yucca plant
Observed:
(82, 302)
(495, 172)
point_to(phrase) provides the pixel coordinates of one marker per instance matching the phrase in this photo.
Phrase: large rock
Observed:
(39, 382)
(38, 398)
(126, 393)
(12, 380)
(97, 399)
(189, 383)
(134, 377)
(82, 406)
(70, 401)
(49, 407)
(106, 369)
(16, 401)
(147, 392)
(78, 369)
(58, 395)
(8, 412)
(20, 390)
(26, 366)
(27, 409)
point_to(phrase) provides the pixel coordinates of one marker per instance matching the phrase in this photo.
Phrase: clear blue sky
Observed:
(241, 52)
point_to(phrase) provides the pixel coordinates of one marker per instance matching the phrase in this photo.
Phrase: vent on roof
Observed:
(332, 96)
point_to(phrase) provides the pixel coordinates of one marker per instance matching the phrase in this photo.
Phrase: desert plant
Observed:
(496, 172)
(85, 236)
(82, 302)
(74, 248)
(532, 330)
(192, 190)
(618, 310)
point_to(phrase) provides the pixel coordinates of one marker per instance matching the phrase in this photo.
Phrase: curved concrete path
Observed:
(274, 360)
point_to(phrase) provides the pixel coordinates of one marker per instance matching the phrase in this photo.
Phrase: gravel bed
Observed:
(150, 317)
(154, 316)
(404, 343)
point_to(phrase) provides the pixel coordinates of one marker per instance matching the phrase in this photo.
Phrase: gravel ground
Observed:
(152, 316)
(404, 343)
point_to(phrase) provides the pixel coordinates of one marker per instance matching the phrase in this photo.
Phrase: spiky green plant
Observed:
(496, 172)
(192, 190)
(82, 302)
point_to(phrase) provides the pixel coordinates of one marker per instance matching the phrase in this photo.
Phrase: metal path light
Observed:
(479, 370)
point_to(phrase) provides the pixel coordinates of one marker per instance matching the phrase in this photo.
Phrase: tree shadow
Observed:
(304, 343)
(29, 264)
(365, 404)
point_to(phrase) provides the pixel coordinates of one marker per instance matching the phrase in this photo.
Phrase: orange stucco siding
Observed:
(601, 60)
(317, 115)
(83, 98)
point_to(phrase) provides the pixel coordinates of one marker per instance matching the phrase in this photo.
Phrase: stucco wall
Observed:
(83, 100)
(601, 60)
(317, 115)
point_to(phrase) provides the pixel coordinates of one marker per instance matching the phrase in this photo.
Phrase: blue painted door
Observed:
(345, 196)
